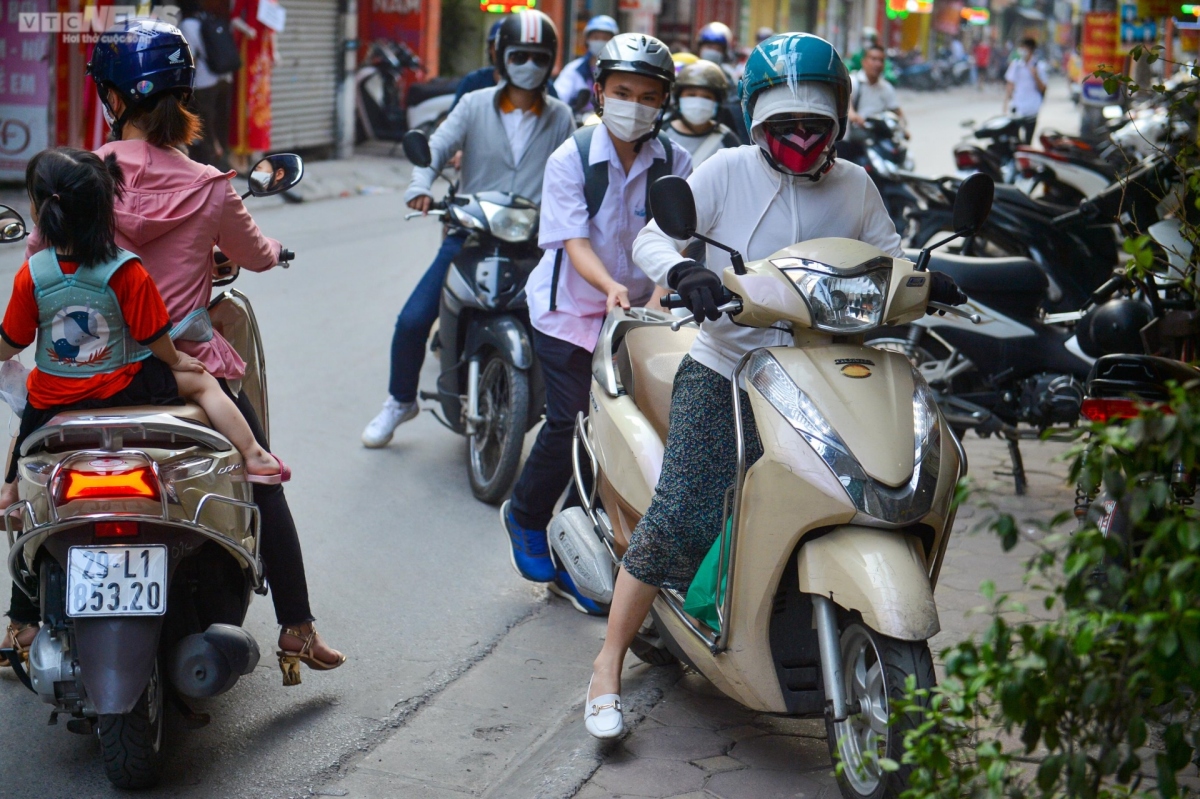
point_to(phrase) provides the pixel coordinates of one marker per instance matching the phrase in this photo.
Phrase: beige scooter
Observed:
(837, 532)
(138, 539)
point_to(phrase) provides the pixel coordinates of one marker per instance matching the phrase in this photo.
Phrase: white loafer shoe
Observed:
(602, 715)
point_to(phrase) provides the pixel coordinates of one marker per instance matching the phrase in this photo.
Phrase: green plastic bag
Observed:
(702, 597)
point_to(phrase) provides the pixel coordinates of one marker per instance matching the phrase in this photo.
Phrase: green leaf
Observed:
(887, 764)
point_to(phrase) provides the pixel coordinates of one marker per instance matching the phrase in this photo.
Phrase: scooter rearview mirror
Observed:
(276, 174)
(416, 148)
(973, 203)
(12, 226)
(674, 207)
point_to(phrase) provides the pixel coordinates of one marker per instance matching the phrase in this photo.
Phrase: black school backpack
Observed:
(595, 186)
(220, 50)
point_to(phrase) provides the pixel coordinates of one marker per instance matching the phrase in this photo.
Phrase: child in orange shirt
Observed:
(97, 317)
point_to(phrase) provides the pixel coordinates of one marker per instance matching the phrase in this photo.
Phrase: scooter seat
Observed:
(647, 360)
(420, 92)
(1013, 286)
(189, 412)
(1013, 196)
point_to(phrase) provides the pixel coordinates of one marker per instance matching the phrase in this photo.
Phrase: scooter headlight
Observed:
(513, 225)
(926, 433)
(840, 302)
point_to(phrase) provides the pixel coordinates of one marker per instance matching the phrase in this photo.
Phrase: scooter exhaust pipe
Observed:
(210, 663)
(831, 655)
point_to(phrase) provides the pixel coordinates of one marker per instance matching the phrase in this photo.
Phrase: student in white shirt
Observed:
(1025, 87)
(588, 270)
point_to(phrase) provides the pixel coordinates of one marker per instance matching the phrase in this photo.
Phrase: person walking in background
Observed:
(982, 59)
(574, 83)
(208, 30)
(1025, 87)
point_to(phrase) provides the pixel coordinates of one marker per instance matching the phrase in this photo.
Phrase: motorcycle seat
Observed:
(1144, 376)
(188, 412)
(1011, 195)
(436, 87)
(1013, 286)
(647, 360)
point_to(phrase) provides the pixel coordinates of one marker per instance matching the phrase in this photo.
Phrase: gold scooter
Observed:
(837, 533)
(138, 539)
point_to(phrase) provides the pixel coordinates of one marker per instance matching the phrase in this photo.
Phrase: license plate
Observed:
(117, 581)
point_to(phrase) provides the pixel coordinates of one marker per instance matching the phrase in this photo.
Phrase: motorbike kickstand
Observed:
(1018, 466)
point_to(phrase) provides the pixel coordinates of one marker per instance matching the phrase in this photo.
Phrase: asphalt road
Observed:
(408, 573)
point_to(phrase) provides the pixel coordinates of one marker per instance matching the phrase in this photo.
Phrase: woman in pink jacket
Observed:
(172, 213)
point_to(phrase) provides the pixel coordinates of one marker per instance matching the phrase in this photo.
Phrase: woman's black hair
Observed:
(74, 192)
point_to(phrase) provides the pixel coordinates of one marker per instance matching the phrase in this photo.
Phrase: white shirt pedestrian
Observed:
(580, 307)
(1026, 97)
(872, 99)
(572, 80)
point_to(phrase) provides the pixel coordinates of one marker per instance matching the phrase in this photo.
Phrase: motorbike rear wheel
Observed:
(875, 668)
(131, 743)
(494, 449)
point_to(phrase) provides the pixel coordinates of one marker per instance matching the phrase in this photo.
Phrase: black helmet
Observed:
(527, 30)
(1114, 327)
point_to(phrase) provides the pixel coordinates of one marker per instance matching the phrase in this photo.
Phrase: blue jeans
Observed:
(416, 320)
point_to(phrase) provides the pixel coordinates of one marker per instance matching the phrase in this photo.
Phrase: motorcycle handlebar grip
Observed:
(671, 300)
(1106, 291)
(286, 255)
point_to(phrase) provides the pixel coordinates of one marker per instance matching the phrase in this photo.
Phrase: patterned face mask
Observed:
(798, 144)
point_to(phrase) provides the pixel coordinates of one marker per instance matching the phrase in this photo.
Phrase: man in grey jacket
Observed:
(506, 134)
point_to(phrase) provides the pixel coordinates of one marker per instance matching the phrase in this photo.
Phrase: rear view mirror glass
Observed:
(275, 174)
(12, 226)
(973, 203)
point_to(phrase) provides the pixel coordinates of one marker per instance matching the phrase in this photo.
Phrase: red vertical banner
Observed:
(1100, 47)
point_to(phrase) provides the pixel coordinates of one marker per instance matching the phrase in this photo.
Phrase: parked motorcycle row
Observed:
(1038, 271)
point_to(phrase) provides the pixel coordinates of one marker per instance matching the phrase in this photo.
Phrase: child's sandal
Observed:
(289, 661)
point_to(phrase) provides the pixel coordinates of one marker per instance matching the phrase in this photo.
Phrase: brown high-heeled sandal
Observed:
(289, 661)
(14, 632)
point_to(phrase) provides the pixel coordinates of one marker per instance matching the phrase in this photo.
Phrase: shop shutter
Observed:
(304, 84)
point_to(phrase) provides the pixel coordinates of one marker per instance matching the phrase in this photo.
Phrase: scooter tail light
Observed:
(966, 159)
(138, 483)
(117, 529)
(1106, 410)
(1025, 166)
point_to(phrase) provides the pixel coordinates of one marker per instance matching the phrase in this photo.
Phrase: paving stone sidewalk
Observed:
(697, 744)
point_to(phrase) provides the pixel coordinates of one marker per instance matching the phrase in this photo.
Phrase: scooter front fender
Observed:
(116, 657)
(882, 574)
(506, 335)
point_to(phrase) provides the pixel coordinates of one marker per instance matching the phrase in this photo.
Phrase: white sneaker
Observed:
(602, 716)
(379, 432)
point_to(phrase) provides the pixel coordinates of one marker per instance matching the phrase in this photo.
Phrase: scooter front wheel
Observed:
(131, 743)
(874, 671)
(494, 449)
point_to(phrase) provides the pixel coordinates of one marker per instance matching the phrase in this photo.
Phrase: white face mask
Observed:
(526, 76)
(108, 116)
(697, 110)
(628, 121)
(712, 54)
(595, 46)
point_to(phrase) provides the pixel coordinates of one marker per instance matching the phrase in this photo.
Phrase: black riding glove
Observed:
(699, 289)
(943, 289)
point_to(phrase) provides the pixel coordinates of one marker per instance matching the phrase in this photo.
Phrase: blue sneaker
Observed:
(564, 587)
(530, 548)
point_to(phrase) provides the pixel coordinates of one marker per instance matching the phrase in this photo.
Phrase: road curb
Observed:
(567, 756)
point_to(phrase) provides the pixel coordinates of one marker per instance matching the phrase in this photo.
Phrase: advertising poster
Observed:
(1100, 47)
(24, 88)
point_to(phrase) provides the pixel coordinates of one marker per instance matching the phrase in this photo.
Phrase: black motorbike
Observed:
(385, 110)
(490, 387)
(1077, 247)
(880, 147)
(991, 149)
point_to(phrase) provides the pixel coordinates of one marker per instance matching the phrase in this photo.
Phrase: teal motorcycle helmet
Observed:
(790, 59)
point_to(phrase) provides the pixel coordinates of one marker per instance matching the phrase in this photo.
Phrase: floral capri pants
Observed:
(700, 463)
